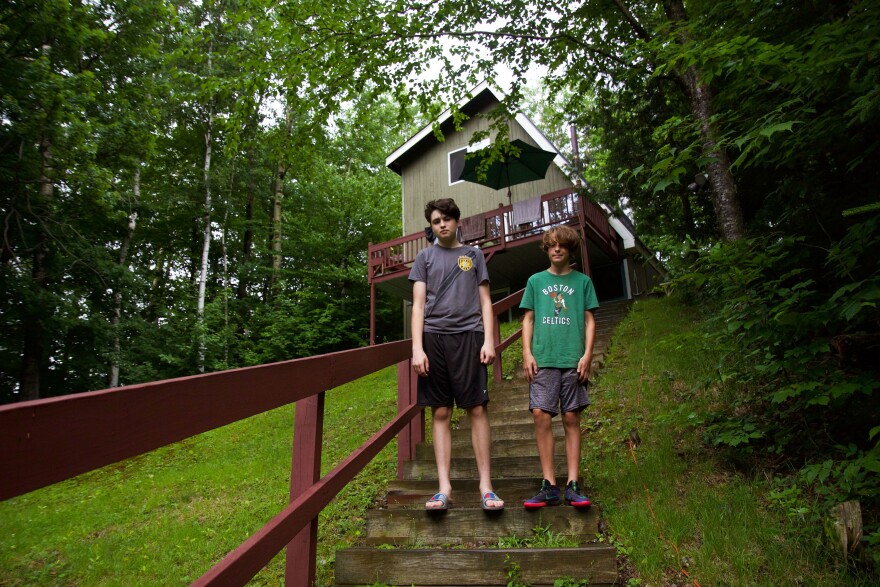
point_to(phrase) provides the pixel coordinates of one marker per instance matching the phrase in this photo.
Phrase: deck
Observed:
(495, 231)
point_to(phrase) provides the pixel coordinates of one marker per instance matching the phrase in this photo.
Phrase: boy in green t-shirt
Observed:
(558, 333)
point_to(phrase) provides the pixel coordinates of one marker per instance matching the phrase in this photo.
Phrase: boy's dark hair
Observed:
(446, 206)
(566, 236)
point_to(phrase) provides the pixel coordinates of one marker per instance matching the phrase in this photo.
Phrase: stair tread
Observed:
(470, 525)
(487, 566)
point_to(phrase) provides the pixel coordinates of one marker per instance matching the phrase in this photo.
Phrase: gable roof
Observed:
(477, 99)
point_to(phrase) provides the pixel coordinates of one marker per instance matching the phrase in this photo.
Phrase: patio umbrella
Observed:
(531, 164)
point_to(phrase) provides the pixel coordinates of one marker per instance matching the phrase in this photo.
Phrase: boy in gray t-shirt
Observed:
(452, 336)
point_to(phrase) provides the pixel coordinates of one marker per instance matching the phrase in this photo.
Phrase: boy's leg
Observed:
(571, 422)
(481, 439)
(440, 420)
(544, 438)
(573, 494)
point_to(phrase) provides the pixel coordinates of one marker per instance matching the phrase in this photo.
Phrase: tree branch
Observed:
(628, 16)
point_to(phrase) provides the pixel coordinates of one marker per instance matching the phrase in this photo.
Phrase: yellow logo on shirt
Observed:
(465, 263)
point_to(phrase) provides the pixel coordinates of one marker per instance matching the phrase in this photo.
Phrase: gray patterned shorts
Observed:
(555, 388)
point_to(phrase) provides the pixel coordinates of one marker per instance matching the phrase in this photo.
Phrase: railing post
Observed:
(308, 427)
(583, 202)
(372, 312)
(497, 368)
(414, 432)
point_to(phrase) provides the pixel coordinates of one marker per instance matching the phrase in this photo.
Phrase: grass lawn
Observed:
(166, 517)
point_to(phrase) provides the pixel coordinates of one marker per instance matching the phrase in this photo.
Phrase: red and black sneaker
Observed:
(574, 497)
(548, 495)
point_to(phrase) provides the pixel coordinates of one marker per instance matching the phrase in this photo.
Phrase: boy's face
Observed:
(559, 255)
(444, 227)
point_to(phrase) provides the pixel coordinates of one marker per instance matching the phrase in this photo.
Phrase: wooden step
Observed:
(466, 468)
(465, 492)
(523, 416)
(508, 432)
(459, 525)
(537, 567)
(462, 448)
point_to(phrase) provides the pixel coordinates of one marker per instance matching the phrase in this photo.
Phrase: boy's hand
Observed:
(487, 354)
(420, 363)
(530, 367)
(584, 367)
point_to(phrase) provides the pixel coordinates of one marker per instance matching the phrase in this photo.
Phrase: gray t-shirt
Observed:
(452, 278)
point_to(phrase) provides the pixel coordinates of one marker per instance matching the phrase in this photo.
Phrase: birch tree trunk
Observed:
(206, 241)
(277, 202)
(277, 209)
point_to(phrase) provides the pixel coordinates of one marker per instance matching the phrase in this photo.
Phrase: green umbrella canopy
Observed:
(531, 164)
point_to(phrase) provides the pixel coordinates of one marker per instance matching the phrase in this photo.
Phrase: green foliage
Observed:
(514, 573)
(797, 328)
(542, 537)
(727, 524)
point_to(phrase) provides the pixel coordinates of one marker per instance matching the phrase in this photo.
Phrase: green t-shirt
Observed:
(559, 303)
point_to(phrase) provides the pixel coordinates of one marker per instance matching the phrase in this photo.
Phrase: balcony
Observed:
(495, 232)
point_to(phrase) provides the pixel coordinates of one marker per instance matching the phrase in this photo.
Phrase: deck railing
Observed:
(496, 230)
(46, 441)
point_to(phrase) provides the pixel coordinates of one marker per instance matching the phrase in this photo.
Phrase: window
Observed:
(456, 160)
(456, 165)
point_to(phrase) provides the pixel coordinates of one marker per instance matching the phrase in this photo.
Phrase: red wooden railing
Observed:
(46, 441)
(387, 260)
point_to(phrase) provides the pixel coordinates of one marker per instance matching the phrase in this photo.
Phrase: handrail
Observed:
(50, 440)
(46, 441)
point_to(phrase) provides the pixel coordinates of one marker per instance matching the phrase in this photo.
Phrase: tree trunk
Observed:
(34, 343)
(248, 243)
(206, 242)
(277, 197)
(728, 209)
(117, 295)
(160, 277)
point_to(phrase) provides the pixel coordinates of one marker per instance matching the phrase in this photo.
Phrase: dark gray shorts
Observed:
(455, 372)
(558, 390)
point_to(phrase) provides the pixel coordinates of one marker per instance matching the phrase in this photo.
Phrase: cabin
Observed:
(506, 225)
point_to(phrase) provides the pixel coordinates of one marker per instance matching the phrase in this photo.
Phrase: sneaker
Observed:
(549, 495)
(574, 497)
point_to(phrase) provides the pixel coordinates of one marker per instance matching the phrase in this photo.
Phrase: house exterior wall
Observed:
(643, 277)
(427, 178)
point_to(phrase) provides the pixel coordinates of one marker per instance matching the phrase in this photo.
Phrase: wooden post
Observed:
(496, 368)
(305, 471)
(372, 312)
(582, 220)
(414, 432)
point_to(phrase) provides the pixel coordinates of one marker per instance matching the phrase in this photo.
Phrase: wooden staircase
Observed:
(405, 545)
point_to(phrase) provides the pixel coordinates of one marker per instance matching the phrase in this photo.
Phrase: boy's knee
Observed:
(441, 413)
(571, 419)
(541, 417)
(478, 411)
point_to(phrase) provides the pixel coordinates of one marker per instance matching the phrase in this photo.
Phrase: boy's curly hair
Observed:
(446, 206)
(566, 236)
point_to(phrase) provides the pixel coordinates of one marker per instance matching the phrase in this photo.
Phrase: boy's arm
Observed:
(419, 358)
(530, 366)
(589, 336)
(487, 353)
